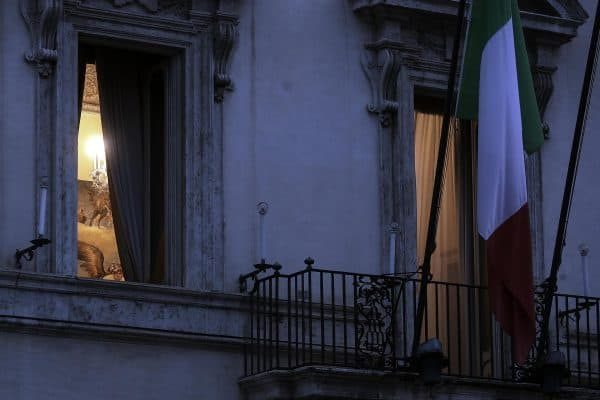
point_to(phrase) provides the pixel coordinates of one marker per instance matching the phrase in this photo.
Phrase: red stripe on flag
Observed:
(510, 281)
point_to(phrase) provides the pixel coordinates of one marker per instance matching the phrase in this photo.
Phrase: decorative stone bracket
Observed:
(41, 17)
(381, 62)
(543, 85)
(226, 34)
(382, 67)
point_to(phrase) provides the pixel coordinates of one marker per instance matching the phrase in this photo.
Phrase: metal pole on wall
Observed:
(549, 285)
(439, 179)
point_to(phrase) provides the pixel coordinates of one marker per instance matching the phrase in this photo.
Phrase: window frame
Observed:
(198, 234)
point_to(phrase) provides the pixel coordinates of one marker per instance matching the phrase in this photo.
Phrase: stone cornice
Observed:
(35, 301)
(562, 27)
(123, 15)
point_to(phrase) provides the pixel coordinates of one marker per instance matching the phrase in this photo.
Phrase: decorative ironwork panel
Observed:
(375, 322)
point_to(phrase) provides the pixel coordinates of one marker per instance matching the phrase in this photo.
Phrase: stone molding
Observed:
(178, 16)
(58, 304)
(337, 383)
(42, 18)
(561, 25)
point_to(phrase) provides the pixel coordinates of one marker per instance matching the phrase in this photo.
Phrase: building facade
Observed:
(235, 133)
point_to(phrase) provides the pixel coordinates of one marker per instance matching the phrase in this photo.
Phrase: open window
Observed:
(128, 169)
(457, 314)
(456, 257)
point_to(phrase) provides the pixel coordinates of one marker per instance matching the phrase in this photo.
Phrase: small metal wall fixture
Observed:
(40, 240)
(28, 253)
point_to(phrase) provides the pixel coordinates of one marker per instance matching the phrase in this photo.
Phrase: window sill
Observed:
(57, 304)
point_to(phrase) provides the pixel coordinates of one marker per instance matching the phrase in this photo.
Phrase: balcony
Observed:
(319, 332)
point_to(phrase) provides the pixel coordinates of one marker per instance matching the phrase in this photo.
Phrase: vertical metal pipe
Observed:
(345, 317)
(277, 321)
(303, 322)
(297, 315)
(333, 349)
(251, 342)
(589, 344)
(426, 321)
(578, 341)
(491, 341)
(568, 335)
(557, 326)
(264, 326)
(437, 311)
(310, 318)
(502, 361)
(597, 307)
(270, 323)
(459, 330)
(438, 182)
(448, 336)
(471, 337)
(289, 321)
(355, 310)
(322, 300)
(404, 321)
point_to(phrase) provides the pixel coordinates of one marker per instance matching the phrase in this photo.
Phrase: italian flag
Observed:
(497, 90)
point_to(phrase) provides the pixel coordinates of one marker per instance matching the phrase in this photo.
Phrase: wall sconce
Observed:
(40, 240)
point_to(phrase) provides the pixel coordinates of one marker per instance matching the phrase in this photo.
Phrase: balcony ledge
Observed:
(337, 383)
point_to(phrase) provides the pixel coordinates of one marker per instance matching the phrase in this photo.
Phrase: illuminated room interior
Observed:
(97, 252)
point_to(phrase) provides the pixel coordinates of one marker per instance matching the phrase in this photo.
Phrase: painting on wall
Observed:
(97, 252)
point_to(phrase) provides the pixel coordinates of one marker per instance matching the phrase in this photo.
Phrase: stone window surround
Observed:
(409, 53)
(200, 38)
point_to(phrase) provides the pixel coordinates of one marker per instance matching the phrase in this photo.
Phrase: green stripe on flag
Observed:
(533, 136)
(487, 17)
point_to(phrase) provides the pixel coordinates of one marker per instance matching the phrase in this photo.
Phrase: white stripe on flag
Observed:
(501, 185)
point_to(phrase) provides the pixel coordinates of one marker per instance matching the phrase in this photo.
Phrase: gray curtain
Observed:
(121, 112)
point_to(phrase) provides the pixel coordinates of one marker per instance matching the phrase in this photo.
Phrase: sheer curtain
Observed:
(445, 314)
(121, 112)
(445, 261)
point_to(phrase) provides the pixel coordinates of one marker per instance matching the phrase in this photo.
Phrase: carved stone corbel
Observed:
(543, 85)
(226, 34)
(381, 67)
(41, 17)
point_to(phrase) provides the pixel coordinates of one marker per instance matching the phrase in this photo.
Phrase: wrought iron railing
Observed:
(333, 318)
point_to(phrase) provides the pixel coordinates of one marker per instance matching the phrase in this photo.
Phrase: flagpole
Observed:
(549, 285)
(439, 180)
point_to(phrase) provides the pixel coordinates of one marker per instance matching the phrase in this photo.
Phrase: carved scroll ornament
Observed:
(226, 34)
(382, 68)
(41, 17)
